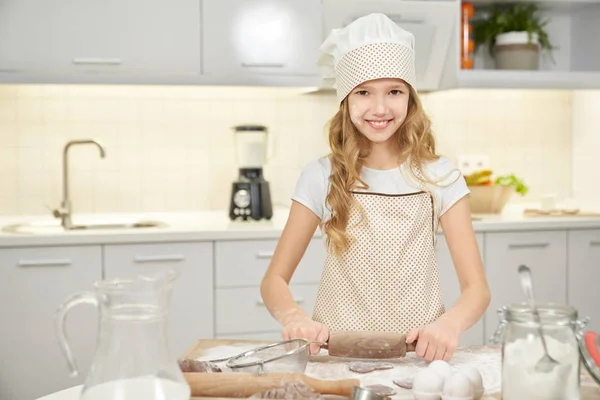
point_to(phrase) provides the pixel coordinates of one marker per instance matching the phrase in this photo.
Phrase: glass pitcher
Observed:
(132, 359)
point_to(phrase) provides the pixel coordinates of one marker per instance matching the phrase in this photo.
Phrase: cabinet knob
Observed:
(58, 262)
(97, 61)
(159, 258)
(263, 65)
(527, 245)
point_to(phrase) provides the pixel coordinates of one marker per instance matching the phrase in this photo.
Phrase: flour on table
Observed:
(487, 362)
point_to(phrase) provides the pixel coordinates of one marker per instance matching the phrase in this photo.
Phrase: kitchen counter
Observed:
(486, 358)
(203, 348)
(215, 225)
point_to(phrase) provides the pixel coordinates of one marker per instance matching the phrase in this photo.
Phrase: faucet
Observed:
(65, 210)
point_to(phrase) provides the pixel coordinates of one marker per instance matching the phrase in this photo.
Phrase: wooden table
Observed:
(201, 346)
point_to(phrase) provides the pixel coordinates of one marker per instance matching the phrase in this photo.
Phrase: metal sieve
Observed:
(286, 356)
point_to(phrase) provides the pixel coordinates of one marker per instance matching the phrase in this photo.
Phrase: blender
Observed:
(250, 193)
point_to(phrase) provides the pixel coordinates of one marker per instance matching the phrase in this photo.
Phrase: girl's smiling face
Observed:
(378, 108)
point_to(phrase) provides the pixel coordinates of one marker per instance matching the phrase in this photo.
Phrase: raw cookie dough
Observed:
(290, 391)
(363, 367)
(381, 390)
(188, 365)
(405, 383)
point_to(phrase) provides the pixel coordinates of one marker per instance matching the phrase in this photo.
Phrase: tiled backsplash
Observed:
(171, 148)
(586, 147)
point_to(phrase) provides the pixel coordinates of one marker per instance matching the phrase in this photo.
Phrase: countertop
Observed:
(205, 348)
(215, 225)
(486, 358)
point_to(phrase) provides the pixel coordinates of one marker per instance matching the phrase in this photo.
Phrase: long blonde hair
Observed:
(349, 148)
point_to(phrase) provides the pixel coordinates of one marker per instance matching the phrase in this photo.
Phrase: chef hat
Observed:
(371, 47)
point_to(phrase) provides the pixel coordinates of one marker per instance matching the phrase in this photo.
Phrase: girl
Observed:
(379, 198)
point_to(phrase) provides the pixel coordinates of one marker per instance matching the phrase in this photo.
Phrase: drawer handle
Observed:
(59, 262)
(298, 300)
(167, 258)
(528, 245)
(263, 65)
(97, 61)
(265, 254)
(595, 243)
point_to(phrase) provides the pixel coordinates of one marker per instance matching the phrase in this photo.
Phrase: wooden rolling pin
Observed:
(247, 384)
(357, 344)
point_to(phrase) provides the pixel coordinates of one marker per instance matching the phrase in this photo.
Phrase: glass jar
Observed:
(522, 349)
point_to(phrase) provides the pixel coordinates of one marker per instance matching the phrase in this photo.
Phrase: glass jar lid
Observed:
(549, 313)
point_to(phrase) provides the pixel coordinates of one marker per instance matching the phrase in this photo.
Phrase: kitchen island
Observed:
(486, 358)
(221, 264)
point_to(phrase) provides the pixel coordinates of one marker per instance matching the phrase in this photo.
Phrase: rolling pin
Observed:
(247, 384)
(363, 344)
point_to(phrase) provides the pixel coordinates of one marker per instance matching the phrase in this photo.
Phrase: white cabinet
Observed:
(243, 311)
(261, 37)
(243, 263)
(239, 268)
(575, 63)
(451, 288)
(192, 299)
(584, 275)
(35, 282)
(87, 37)
(545, 252)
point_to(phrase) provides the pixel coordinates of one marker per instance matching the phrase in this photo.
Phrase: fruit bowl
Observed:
(490, 199)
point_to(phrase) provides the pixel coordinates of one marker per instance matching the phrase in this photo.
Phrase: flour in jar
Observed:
(522, 381)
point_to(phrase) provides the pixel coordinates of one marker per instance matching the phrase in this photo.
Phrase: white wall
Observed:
(586, 147)
(171, 148)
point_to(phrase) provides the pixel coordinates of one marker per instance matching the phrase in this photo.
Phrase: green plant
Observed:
(509, 17)
(512, 180)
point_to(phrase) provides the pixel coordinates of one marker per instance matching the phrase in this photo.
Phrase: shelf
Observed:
(528, 79)
(553, 5)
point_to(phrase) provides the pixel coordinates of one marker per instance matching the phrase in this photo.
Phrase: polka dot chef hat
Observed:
(371, 47)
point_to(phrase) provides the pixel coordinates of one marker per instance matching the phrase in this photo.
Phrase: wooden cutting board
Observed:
(202, 346)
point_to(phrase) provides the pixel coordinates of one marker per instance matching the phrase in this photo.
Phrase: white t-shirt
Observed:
(313, 185)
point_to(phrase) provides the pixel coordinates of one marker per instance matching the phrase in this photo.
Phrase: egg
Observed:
(476, 380)
(458, 386)
(442, 368)
(427, 385)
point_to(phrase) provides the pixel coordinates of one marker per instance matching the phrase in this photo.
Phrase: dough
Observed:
(290, 391)
(363, 367)
(188, 365)
(381, 390)
(404, 383)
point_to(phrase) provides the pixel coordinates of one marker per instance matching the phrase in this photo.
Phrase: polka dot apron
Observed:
(387, 279)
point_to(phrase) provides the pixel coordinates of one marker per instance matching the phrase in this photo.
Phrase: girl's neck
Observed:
(383, 156)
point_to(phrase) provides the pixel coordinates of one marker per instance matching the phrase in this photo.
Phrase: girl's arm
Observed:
(296, 236)
(439, 339)
(475, 293)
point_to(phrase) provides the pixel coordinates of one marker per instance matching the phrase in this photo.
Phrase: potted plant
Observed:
(514, 34)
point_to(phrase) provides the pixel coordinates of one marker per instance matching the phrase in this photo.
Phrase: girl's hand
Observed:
(436, 341)
(306, 328)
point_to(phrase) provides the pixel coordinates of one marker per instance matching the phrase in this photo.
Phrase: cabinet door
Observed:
(191, 313)
(584, 275)
(242, 310)
(243, 263)
(35, 282)
(106, 36)
(274, 37)
(544, 252)
(451, 289)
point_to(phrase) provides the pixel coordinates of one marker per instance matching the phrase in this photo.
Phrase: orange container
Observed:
(467, 44)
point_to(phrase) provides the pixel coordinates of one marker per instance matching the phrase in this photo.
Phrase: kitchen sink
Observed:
(54, 227)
